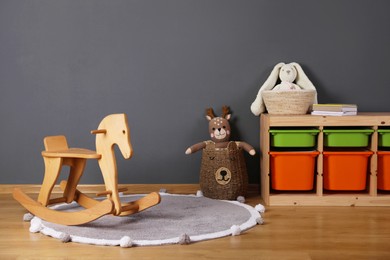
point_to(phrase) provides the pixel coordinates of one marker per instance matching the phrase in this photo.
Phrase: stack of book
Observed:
(334, 109)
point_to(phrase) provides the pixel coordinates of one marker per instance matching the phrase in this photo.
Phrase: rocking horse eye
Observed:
(123, 131)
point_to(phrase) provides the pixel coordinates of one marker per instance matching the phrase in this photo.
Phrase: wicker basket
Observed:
(288, 102)
(223, 173)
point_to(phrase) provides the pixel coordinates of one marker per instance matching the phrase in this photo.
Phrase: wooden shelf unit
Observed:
(320, 197)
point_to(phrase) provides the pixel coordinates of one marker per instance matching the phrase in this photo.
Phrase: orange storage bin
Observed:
(383, 170)
(346, 170)
(293, 170)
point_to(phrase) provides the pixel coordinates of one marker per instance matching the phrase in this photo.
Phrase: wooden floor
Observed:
(288, 233)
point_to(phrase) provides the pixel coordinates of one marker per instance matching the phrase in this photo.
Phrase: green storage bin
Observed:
(384, 137)
(347, 137)
(293, 137)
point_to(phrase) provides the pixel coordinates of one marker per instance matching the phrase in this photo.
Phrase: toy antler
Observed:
(225, 111)
(210, 113)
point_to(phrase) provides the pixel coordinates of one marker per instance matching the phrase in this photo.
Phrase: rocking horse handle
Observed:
(99, 131)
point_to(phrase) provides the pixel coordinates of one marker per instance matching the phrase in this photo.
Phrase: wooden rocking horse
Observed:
(112, 130)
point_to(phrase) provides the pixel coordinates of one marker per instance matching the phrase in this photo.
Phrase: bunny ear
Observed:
(258, 106)
(302, 80)
(273, 77)
(300, 73)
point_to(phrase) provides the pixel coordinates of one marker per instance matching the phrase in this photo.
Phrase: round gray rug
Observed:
(177, 219)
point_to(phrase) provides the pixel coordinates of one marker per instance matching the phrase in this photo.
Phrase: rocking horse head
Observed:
(114, 129)
(219, 127)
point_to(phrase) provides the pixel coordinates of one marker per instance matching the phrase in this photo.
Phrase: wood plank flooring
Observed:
(288, 233)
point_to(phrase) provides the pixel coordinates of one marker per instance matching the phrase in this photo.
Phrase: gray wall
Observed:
(64, 65)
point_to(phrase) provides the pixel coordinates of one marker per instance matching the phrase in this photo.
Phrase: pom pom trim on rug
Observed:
(255, 218)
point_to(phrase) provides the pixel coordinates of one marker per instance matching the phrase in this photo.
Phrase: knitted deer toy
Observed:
(223, 170)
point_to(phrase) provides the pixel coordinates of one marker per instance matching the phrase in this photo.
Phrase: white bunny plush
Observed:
(301, 82)
(287, 75)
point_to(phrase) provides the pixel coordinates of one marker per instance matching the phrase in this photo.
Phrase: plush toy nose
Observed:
(288, 71)
(219, 129)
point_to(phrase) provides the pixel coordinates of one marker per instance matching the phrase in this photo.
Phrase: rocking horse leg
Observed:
(82, 199)
(77, 166)
(52, 171)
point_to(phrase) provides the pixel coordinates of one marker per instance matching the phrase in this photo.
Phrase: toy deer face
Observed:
(219, 127)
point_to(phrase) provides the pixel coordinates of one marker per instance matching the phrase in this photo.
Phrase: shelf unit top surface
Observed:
(361, 119)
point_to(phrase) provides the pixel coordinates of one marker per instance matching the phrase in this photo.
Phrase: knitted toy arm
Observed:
(196, 147)
(247, 147)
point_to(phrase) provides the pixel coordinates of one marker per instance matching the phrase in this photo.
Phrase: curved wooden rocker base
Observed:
(141, 204)
(94, 208)
(64, 218)
(133, 207)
